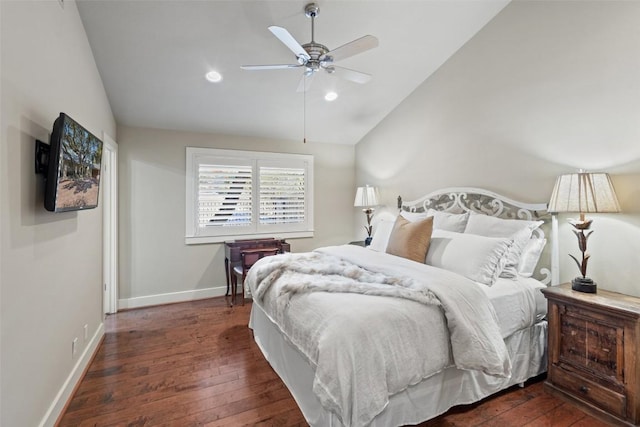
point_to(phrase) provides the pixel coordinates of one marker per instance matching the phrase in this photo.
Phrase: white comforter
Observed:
(373, 324)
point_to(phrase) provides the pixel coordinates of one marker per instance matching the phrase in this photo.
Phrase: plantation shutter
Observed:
(282, 195)
(243, 194)
(224, 195)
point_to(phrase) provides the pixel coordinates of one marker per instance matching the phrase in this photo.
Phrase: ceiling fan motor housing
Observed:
(316, 51)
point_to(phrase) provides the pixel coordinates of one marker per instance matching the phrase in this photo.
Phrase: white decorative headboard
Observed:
(463, 199)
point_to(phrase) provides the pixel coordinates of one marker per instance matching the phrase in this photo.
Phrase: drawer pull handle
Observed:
(584, 389)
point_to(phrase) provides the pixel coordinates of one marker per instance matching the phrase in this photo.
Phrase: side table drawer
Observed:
(589, 391)
(592, 344)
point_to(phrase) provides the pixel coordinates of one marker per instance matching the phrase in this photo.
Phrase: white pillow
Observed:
(441, 220)
(478, 258)
(516, 229)
(530, 256)
(449, 221)
(415, 216)
(520, 239)
(381, 234)
(490, 226)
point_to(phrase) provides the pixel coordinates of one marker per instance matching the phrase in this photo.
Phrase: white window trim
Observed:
(195, 154)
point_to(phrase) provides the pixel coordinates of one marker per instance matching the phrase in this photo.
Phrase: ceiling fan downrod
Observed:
(311, 11)
(313, 49)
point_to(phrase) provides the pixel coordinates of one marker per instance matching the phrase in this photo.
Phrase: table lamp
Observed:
(367, 198)
(583, 192)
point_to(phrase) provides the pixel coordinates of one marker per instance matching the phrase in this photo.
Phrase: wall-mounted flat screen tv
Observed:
(71, 166)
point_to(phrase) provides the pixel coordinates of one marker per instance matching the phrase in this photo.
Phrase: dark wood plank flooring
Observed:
(195, 363)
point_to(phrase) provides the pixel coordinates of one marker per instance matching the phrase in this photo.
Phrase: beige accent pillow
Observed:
(410, 239)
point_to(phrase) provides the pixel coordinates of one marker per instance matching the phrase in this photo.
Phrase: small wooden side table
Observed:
(593, 352)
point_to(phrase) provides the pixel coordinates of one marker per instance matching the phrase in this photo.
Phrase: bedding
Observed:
(517, 303)
(379, 353)
(339, 332)
(415, 404)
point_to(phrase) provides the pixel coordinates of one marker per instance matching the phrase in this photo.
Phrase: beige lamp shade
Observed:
(366, 197)
(584, 193)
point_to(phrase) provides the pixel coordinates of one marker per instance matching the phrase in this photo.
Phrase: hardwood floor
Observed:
(195, 363)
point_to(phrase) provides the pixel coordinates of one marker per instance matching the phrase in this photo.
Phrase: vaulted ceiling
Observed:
(153, 56)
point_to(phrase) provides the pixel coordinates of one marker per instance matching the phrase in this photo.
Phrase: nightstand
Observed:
(357, 243)
(593, 352)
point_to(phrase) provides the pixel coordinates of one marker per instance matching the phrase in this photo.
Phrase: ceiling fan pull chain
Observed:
(304, 113)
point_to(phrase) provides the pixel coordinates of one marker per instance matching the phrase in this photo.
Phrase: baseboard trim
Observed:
(171, 297)
(62, 398)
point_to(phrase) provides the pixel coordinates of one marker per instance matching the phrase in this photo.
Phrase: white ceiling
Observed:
(153, 55)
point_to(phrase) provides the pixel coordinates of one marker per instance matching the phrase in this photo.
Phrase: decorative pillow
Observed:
(381, 234)
(476, 257)
(516, 229)
(410, 239)
(449, 221)
(530, 256)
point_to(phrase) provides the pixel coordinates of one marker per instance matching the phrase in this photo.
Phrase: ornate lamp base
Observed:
(584, 284)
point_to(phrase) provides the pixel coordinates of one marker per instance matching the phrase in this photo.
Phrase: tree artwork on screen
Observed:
(79, 171)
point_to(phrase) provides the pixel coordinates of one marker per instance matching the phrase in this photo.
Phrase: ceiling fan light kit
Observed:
(314, 56)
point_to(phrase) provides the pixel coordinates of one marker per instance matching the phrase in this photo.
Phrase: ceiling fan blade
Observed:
(305, 81)
(286, 38)
(353, 75)
(269, 67)
(352, 48)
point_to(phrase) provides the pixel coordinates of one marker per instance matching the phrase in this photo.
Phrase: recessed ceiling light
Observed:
(331, 96)
(213, 76)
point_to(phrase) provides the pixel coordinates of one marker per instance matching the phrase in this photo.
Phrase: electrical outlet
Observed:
(74, 346)
(86, 332)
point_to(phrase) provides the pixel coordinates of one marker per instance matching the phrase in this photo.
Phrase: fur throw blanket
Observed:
(318, 272)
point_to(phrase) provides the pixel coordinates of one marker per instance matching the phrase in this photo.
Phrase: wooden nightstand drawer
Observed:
(591, 344)
(582, 388)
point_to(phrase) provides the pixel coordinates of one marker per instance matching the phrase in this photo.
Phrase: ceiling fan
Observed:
(314, 56)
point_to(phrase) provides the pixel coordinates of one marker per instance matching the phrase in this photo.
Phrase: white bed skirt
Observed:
(425, 400)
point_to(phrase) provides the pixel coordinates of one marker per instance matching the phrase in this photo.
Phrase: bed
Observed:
(362, 337)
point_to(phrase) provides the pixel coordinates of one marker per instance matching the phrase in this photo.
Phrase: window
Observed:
(245, 194)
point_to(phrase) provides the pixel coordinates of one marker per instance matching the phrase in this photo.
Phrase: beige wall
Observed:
(153, 256)
(51, 263)
(545, 88)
